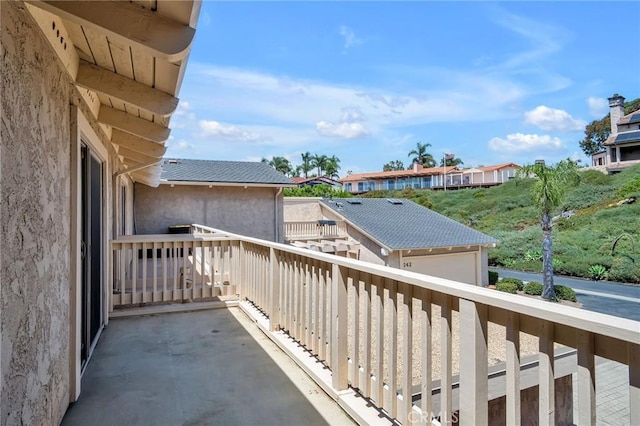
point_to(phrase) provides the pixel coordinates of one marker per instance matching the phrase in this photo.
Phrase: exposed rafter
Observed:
(130, 24)
(137, 144)
(124, 89)
(132, 124)
(136, 156)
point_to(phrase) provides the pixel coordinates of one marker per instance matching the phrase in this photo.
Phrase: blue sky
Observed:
(365, 81)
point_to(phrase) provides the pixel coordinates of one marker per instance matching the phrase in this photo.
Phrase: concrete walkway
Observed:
(199, 368)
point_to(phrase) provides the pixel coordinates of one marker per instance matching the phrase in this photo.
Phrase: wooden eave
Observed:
(127, 59)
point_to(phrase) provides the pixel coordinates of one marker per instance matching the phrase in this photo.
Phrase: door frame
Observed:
(83, 134)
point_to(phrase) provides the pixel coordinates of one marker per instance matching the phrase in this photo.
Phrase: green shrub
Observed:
(585, 196)
(493, 277)
(624, 270)
(630, 188)
(519, 284)
(533, 288)
(507, 287)
(594, 177)
(533, 255)
(565, 293)
(597, 272)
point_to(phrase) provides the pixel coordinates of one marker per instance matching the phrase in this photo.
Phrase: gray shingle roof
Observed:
(221, 171)
(407, 225)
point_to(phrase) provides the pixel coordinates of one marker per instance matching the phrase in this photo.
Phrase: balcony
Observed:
(386, 344)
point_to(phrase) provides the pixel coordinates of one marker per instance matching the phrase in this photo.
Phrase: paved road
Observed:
(618, 299)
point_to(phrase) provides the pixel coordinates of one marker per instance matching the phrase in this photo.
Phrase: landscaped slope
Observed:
(582, 240)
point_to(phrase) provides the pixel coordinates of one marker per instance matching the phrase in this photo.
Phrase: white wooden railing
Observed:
(359, 320)
(314, 230)
(167, 268)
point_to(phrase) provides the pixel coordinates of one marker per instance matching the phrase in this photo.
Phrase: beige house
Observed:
(393, 232)
(237, 196)
(419, 177)
(622, 147)
(86, 96)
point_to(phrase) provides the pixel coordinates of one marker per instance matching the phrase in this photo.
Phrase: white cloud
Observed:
(229, 132)
(352, 115)
(341, 130)
(519, 142)
(349, 36)
(551, 119)
(598, 107)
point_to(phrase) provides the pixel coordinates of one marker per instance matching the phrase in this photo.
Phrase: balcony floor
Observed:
(210, 367)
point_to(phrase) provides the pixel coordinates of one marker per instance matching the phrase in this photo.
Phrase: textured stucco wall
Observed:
(35, 227)
(238, 210)
(302, 209)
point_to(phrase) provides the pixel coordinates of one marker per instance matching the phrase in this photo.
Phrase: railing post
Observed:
(339, 363)
(546, 371)
(474, 387)
(242, 273)
(586, 379)
(274, 291)
(513, 369)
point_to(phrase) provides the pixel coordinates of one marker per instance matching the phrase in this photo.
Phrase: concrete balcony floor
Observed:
(212, 367)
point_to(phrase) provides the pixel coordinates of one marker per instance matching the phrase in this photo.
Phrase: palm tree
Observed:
(306, 165)
(281, 164)
(421, 156)
(320, 162)
(332, 166)
(452, 162)
(549, 189)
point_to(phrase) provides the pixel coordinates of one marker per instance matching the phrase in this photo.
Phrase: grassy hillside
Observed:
(580, 242)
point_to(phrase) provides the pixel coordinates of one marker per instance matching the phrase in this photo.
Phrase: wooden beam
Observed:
(136, 156)
(130, 25)
(135, 143)
(124, 89)
(132, 124)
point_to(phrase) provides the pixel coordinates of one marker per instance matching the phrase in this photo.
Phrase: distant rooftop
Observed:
(183, 170)
(402, 224)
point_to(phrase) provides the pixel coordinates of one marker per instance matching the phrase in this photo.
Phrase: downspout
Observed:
(275, 212)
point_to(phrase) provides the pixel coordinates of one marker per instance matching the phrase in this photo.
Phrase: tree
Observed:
(548, 191)
(454, 161)
(332, 166)
(421, 156)
(306, 165)
(281, 164)
(319, 162)
(393, 165)
(598, 131)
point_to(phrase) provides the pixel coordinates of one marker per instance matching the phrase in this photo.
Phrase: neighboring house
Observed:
(313, 181)
(87, 92)
(623, 144)
(419, 177)
(403, 234)
(237, 196)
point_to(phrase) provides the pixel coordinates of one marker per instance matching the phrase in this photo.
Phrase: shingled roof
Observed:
(213, 171)
(403, 224)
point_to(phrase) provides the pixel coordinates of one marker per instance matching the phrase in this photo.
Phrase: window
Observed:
(372, 185)
(347, 187)
(361, 186)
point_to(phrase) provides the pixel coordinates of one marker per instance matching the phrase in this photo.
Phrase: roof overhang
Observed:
(127, 60)
(229, 184)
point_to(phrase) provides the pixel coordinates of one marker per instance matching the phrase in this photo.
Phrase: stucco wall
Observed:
(238, 210)
(302, 209)
(35, 227)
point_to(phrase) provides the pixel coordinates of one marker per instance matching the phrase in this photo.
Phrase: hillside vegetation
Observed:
(582, 243)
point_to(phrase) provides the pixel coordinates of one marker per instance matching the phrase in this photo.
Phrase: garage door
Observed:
(455, 266)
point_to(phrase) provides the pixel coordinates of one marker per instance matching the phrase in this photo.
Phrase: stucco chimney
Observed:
(417, 167)
(616, 104)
